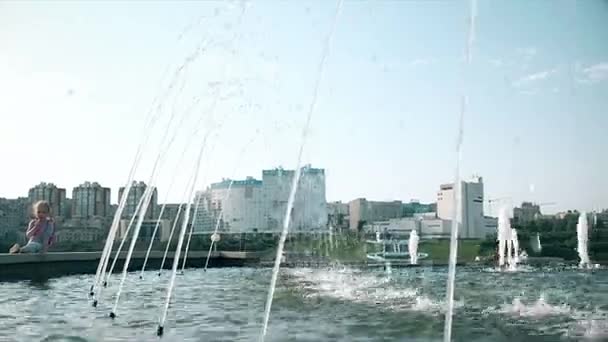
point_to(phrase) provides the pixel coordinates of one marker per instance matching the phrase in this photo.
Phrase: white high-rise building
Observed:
(470, 217)
(242, 208)
(259, 205)
(310, 205)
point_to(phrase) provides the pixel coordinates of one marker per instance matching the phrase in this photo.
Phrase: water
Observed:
(582, 234)
(340, 304)
(296, 176)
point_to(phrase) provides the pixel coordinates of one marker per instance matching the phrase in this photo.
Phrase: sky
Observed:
(80, 80)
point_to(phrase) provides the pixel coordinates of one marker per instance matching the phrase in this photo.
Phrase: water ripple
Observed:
(338, 304)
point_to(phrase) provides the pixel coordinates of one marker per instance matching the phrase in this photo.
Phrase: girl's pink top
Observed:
(41, 232)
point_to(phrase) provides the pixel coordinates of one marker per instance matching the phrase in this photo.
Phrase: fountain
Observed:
(535, 244)
(412, 247)
(515, 244)
(504, 232)
(508, 242)
(582, 234)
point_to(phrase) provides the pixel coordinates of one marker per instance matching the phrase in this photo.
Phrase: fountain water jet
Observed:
(296, 176)
(412, 246)
(447, 328)
(515, 244)
(535, 243)
(582, 234)
(508, 242)
(504, 237)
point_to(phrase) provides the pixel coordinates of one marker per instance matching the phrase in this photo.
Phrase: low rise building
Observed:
(82, 230)
(147, 229)
(362, 212)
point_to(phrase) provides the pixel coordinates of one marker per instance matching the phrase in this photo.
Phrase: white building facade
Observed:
(472, 224)
(309, 211)
(241, 203)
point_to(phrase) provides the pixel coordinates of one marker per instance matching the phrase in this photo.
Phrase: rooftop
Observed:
(250, 181)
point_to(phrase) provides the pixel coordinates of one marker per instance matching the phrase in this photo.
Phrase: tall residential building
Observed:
(205, 218)
(309, 210)
(91, 199)
(51, 193)
(471, 219)
(242, 208)
(135, 194)
(362, 211)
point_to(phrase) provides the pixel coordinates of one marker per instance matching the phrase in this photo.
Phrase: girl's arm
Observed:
(49, 235)
(31, 229)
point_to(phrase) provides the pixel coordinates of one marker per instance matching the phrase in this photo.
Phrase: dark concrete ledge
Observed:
(49, 265)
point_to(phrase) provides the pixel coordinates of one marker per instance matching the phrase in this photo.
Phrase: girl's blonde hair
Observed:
(42, 205)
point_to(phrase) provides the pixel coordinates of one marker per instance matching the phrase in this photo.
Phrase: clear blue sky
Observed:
(77, 80)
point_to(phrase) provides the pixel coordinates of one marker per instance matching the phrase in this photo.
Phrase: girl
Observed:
(40, 231)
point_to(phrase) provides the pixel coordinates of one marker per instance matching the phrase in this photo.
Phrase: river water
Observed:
(336, 304)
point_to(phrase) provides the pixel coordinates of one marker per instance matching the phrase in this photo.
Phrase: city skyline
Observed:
(489, 209)
(386, 120)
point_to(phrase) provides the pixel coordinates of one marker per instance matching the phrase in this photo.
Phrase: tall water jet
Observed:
(412, 246)
(582, 234)
(447, 327)
(535, 243)
(504, 232)
(296, 176)
(515, 245)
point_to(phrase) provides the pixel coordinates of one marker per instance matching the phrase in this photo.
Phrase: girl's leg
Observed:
(14, 249)
(31, 247)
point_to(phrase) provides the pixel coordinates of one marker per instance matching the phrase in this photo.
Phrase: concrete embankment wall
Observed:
(41, 266)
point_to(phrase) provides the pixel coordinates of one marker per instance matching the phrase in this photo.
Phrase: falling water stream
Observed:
(296, 176)
(582, 235)
(447, 331)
